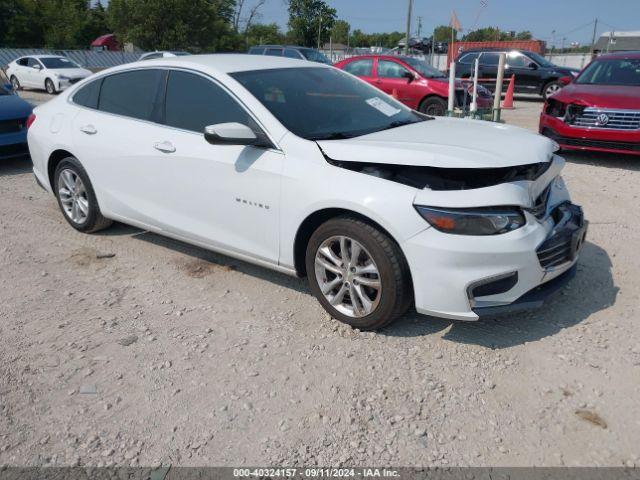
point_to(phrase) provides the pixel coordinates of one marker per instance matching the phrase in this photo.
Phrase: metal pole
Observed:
(319, 30)
(498, 91)
(406, 45)
(593, 38)
(474, 94)
(433, 45)
(452, 88)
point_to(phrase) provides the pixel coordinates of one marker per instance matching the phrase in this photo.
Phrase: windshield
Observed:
(324, 103)
(612, 72)
(539, 59)
(58, 62)
(314, 56)
(423, 68)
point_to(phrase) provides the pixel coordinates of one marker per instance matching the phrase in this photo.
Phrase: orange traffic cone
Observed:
(394, 94)
(508, 98)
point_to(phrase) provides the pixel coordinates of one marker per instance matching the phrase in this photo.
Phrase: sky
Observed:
(549, 20)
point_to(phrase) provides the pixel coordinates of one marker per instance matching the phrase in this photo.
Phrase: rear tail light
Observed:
(30, 120)
(565, 80)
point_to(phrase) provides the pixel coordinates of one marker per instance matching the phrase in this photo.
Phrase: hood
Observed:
(445, 143)
(73, 72)
(12, 107)
(603, 96)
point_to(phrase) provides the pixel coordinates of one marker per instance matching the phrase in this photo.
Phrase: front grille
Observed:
(12, 126)
(607, 119)
(567, 238)
(16, 150)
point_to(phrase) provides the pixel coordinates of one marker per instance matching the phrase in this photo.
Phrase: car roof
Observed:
(282, 46)
(631, 55)
(495, 49)
(229, 62)
(378, 55)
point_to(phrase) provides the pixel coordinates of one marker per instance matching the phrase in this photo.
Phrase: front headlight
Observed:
(63, 77)
(473, 221)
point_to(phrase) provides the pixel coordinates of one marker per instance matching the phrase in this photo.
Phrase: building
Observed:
(618, 42)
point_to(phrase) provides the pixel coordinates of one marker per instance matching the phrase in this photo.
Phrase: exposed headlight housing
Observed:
(473, 221)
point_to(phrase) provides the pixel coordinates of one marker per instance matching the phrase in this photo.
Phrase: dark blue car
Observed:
(14, 113)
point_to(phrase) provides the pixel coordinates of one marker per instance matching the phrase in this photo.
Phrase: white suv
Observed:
(49, 72)
(308, 170)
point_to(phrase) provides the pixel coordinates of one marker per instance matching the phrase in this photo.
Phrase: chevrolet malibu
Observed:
(307, 170)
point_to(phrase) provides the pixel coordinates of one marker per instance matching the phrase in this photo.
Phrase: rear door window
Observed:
(132, 94)
(490, 59)
(291, 53)
(32, 62)
(256, 50)
(361, 68)
(23, 62)
(468, 58)
(88, 95)
(274, 52)
(194, 102)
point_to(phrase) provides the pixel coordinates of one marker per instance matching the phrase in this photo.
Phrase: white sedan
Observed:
(305, 169)
(52, 73)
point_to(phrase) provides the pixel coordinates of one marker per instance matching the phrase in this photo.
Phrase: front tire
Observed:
(551, 88)
(15, 83)
(433, 106)
(358, 273)
(49, 86)
(76, 197)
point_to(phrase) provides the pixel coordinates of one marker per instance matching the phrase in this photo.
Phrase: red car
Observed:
(417, 84)
(600, 109)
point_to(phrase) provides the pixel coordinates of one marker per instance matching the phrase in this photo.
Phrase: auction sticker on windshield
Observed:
(383, 107)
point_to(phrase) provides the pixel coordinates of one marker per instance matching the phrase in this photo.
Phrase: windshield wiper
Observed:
(400, 123)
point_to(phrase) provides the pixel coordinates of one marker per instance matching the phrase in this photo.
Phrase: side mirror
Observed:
(533, 66)
(409, 76)
(234, 133)
(37, 67)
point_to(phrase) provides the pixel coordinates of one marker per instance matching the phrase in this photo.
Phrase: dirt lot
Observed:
(127, 348)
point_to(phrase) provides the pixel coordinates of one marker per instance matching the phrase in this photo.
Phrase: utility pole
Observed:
(319, 30)
(419, 26)
(406, 45)
(593, 38)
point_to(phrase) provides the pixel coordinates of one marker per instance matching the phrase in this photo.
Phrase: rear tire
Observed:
(15, 82)
(76, 197)
(433, 106)
(49, 86)
(374, 306)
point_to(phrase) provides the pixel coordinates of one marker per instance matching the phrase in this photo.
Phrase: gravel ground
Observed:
(125, 348)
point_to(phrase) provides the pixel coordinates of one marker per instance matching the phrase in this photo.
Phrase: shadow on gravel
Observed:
(590, 291)
(15, 166)
(218, 260)
(601, 159)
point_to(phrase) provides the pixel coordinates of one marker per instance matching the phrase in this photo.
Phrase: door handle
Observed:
(165, 147)
(89, 129)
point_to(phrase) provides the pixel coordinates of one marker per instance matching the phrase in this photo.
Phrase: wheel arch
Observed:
(431, 95)
(317, 218)
(547, 81)
(54, 159)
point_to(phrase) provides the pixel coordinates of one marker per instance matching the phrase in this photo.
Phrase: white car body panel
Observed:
(215, 196)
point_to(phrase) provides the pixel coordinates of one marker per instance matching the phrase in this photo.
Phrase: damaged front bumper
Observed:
(467, 277)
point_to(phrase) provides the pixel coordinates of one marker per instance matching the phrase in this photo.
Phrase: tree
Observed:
(261, 34)
(442, 33)
(194, 24)
(526, 35)
(253, 15)
(310, 21)
(340, 32)
(24, 20)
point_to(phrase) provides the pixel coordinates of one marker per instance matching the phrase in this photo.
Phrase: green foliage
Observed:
(488, 34)
(442, 33)
(308, 19)
(174, 24)
(340, 32)
(388, 40)
(261, 34)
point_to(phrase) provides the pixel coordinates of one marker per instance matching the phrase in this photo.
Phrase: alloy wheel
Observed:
(551, 89)
(73, 196)
(15, 83)
(348, 276)
(51, 89)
